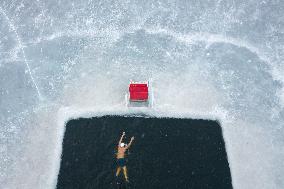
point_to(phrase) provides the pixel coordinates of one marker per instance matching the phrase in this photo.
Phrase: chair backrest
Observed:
(138, 87)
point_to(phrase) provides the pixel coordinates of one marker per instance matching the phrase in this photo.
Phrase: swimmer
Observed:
(120, 156)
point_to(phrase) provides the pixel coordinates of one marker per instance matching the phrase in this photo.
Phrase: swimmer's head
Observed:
(122, 145)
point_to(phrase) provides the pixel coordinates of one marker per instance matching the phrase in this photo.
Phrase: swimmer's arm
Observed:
(121, 138)
(128, 146)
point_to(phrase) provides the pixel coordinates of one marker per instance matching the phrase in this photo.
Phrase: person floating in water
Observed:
(120, 156)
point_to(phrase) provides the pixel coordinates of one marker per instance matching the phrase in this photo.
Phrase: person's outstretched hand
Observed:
(123, 133)
(132, 138)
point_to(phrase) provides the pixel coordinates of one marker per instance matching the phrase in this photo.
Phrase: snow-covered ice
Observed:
(63, 59)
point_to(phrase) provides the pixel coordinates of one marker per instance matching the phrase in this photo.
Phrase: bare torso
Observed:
(120, 152)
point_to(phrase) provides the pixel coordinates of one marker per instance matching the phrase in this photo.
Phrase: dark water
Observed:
(166, 154)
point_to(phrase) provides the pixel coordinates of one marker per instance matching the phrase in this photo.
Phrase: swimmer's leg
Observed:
(118, 171)
(125, 173)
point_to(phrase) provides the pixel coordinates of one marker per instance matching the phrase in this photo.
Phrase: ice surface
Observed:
(61, 59)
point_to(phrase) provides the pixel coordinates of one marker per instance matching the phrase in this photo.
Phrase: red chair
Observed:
(138, 92)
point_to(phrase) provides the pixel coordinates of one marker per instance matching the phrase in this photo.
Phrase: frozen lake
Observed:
(64, 59)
